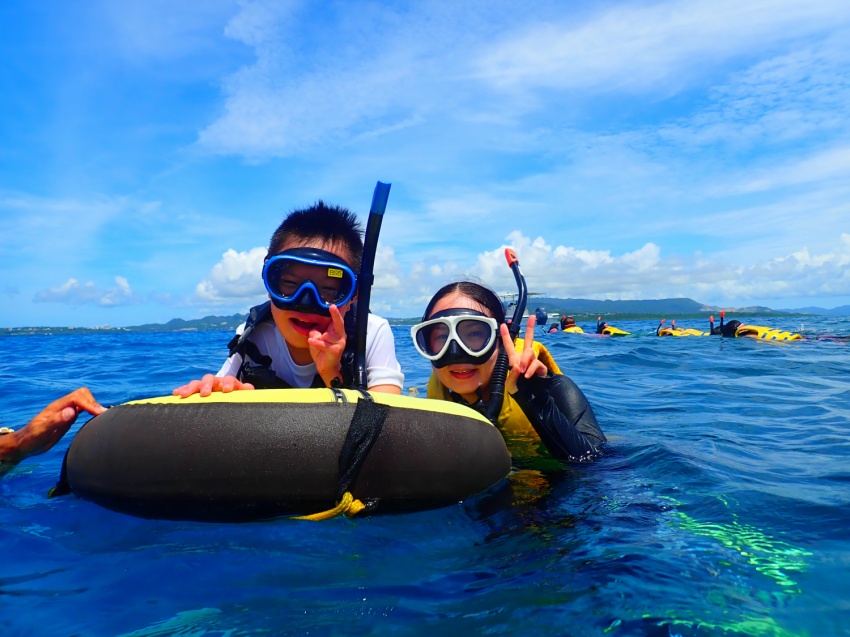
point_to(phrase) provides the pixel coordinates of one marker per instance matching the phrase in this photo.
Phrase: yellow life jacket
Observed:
(574, 329)
(519, 434)
(614, 331)
(766, 333)
(681, 331)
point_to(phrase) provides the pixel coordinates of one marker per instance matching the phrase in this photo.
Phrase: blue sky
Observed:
(696, 148)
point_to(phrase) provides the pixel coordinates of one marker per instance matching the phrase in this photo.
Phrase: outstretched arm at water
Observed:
(45, 430)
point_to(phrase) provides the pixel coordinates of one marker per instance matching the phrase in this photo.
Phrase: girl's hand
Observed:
(526, 363)
(209, 383)
(326, 348)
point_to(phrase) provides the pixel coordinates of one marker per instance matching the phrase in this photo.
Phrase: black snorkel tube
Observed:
(500, 370)
(366, 278)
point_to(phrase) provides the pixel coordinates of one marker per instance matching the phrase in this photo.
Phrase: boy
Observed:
(304, 336)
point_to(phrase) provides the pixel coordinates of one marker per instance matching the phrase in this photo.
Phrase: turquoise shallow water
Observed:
(721, 507)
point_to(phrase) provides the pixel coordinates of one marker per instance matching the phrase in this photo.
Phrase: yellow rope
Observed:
(347, 506)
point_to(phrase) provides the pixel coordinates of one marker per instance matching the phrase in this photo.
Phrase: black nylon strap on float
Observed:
(365, 427)
(369, 417)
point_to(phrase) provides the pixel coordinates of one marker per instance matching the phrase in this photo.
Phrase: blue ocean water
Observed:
(721, 507)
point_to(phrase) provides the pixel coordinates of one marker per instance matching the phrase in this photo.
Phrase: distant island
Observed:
(208, 323)
(581, 309)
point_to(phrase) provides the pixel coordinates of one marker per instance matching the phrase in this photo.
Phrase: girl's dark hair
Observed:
(330, 224)
(482, 295)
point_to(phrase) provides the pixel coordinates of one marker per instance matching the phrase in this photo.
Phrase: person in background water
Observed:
(305, 335)
(460, 334)
(45, 430)
(568, 324)
(737, 329)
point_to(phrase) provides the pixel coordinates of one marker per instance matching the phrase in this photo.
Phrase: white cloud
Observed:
(72, 292)
(284, 103)
(137, 28)
(32, 214)
(238, 277)
(824, 165)
(31, 222)
(564, 272)
(258, 23)
(387, 270)
(779, 100)
(644, 46)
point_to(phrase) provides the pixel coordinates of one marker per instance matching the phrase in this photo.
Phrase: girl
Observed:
(460, 334)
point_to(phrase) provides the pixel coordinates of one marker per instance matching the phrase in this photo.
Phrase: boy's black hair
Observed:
(482, 295)
(331, 224)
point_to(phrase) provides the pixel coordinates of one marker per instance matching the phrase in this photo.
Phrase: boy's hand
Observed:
(326, 347)
(525, 363)
(209, 383)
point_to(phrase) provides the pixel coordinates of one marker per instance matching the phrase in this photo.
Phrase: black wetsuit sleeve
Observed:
(560, 414)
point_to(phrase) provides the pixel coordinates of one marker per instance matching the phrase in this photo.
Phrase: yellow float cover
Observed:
(766, 333)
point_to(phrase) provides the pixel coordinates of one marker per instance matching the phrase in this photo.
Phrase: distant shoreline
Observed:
(229, 324)
(583, 310)
(36, 331)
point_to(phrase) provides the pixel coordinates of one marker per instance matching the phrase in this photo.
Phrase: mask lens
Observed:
(474, 334)
(287, 277)
(432, 338)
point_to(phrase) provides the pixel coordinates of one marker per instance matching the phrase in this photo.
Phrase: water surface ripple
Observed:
(721, 507)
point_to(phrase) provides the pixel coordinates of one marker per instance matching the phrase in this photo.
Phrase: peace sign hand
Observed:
(525, 363)
(327, 347)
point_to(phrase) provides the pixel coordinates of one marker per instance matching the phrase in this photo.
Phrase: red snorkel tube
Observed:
(500, 370)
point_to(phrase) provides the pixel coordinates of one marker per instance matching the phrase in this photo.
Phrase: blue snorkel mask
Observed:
(309, 280)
